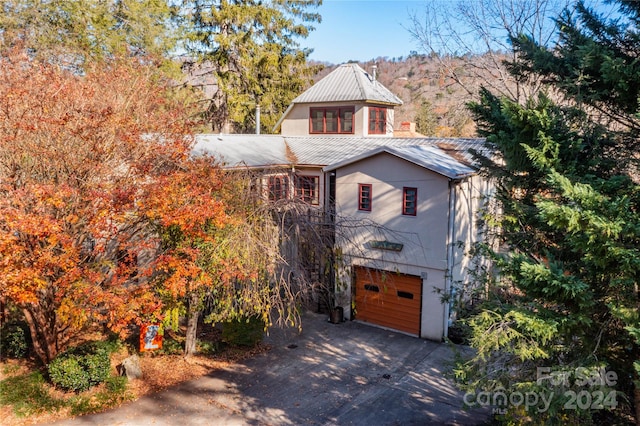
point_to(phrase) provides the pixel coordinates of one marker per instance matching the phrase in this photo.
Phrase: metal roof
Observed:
(346, 83)
(429, 157)
(257, 151)
(243, 150)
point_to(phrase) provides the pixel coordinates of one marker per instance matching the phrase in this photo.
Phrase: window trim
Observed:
(405, 211)
(374, 118)
(283, 193)
(314, 195)
(361, 205)
(339, 123)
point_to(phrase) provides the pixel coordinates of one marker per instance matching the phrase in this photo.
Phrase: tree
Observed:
(426, 120)
(84, 160)
(471, 40)
(78, 32)
(254, 56)
(566, 298)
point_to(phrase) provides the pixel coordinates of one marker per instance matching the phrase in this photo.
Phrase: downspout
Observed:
(257, 119)
(448, 281)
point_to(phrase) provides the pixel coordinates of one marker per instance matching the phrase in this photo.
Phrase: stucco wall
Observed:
(297, 121)
(424, 236)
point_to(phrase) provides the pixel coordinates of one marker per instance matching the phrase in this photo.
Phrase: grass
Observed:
(28, 394)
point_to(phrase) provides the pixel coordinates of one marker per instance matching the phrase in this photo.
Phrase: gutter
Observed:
(448, 281)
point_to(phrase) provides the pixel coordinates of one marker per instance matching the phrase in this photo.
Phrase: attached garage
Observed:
(388, 299)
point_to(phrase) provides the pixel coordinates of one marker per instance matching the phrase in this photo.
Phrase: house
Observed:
(403, 209)
(348, 101)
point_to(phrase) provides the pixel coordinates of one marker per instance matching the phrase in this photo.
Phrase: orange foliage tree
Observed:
(91, 167)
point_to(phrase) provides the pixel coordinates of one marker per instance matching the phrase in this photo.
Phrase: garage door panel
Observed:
(390, 300)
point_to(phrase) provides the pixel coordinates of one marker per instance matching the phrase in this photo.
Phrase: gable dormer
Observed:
(349, 101)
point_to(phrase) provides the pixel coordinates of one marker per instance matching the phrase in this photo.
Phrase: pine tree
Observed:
(565, 166)
(78, 32)
(426, 120)
(254, 56)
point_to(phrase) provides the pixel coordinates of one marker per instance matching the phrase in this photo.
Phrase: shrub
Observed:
(67, 372)
(244, 331)
(80, 368)
(14, 341)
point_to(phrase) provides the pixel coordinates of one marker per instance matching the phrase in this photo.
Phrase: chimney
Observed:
(374, 68)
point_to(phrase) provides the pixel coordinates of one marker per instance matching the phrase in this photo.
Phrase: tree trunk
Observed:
(193, 313)
(43, 335)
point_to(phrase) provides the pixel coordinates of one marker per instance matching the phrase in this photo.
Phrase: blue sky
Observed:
(361, 30)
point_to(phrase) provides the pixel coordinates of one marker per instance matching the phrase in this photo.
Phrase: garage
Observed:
(388, 299)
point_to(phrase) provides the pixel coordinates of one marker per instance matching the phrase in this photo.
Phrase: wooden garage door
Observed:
(388, 299)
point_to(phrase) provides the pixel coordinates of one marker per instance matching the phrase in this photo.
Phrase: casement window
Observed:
(377, 120)
(308, 189)
(364, 197)
(409, 201)
(331, 120)
(278, 187)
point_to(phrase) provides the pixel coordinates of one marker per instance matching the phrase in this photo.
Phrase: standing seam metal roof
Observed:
(348, 82)
(256, 151)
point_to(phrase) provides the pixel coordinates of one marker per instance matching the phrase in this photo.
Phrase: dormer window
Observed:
(331, 120)
(377, 120)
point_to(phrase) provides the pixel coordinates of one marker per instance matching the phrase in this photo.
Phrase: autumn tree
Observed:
(565, 165)
(87, 163)
(225, 267)
(252, 52)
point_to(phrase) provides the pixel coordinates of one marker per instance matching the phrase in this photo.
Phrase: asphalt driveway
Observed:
(330, 374)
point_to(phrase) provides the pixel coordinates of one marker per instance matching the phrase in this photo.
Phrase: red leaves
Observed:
(89, 167)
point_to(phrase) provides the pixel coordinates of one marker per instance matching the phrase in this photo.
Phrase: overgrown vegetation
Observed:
(561, 319)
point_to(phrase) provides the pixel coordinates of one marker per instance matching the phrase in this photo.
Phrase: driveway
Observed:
(330, 374)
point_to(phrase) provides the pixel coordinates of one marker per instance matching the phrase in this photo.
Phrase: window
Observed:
(377, 121)
(308, 188)
(409, 201)
(278, 187)
(364, 197)
(331, 120)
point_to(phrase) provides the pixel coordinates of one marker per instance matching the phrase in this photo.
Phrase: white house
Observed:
(401, 205)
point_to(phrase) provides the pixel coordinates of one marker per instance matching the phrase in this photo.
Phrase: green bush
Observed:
(14, 340)
(67, 372)
(80, 368)
(243, 332)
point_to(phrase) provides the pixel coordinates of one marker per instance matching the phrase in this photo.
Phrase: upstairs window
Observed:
(331, 120)
(278, 187)
(364, 197)
(308, 189)
(409, 201)
(377, 121)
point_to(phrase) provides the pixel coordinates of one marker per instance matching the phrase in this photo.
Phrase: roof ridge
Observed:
(355, 68)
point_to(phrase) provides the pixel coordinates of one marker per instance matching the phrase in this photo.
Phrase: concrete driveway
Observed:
(330, 374)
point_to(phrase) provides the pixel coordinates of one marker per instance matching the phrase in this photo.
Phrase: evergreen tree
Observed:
(565, 299)
(254, 56)
(426, 120)
(76, 32)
